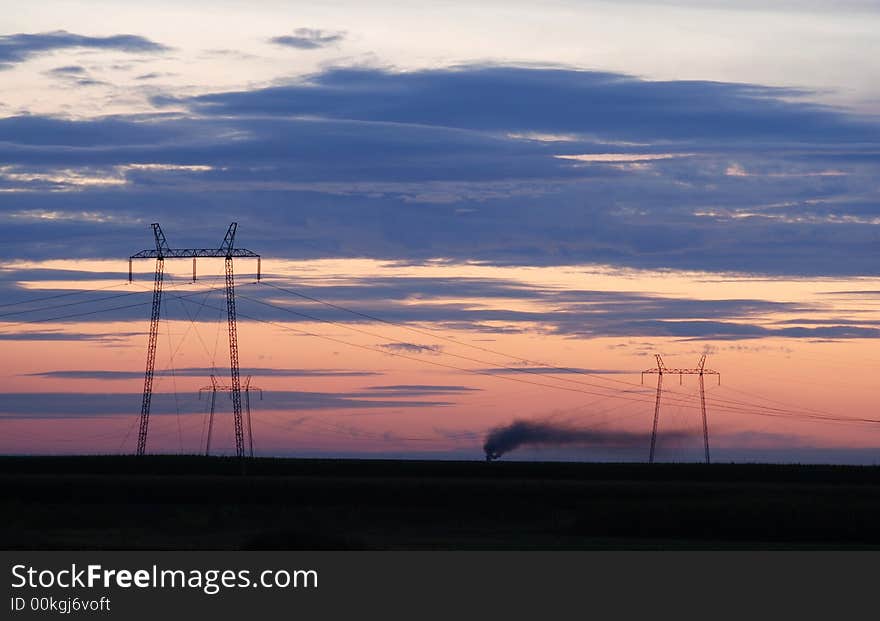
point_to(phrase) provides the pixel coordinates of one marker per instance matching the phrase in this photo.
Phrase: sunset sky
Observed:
(468, 214)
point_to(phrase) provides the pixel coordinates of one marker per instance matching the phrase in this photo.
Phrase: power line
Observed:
(749, 409)
(58, 295)
(414, 358)
(748, 406)
(56, 306)
(73, 315)
(566, 370)
(468, 358)
(680, 402)
(398, 342)
(776, 401)
(436, 334)
(400, 355)
(86, 313)
(192, 318)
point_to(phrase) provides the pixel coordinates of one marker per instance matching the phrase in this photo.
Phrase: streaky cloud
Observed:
(551, 100)
(553, 371)
(58, 405)
(104, 374)
(19, 47)
(53, 335)
(418, 389)
(308, 38)
(412, 348)
(68, 70)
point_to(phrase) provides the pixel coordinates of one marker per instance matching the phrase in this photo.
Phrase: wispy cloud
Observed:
(60, 335)
(412, 390)
(552, 371)
(309, 38)
(48, 405)
(412, 348)
(68, 70)
(570, 313)
(104, 374)
(16, 48)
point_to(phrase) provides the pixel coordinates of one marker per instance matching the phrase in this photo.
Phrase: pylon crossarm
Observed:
(181, 253)
(227, 388)
(683, 371)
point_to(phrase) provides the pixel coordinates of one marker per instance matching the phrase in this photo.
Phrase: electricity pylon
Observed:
(216, 387)
(660, 371)
(228, 251)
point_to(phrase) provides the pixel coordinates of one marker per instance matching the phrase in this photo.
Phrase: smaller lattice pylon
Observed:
(662, 370)
(217, 386)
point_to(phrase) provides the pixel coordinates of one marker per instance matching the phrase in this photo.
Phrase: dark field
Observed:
(207, 503)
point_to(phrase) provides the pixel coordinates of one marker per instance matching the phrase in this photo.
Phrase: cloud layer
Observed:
(308, 38)
(508, 165)
(453, 303)
(552, 100)
(19, 47)
(44, 405)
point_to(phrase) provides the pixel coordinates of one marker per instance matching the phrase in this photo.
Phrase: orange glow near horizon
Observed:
(764, 380)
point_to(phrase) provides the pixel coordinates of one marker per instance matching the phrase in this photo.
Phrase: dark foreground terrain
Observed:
(169, 502)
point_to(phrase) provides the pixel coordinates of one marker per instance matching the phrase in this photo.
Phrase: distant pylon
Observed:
(226, 251)
(216, 387)
(661, 369)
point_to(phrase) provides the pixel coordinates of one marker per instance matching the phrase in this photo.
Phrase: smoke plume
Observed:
(519, 433)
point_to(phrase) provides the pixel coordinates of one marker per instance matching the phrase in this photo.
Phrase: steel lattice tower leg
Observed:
(233, 359)
(211, 421)
(250, 430)
(705, 420)
(151, 357)
(656, 417)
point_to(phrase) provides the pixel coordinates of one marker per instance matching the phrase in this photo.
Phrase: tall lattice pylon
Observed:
(227, 251)
(662, 370)
(217, 386)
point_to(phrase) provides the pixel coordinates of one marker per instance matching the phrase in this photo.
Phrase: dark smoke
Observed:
(519, 433)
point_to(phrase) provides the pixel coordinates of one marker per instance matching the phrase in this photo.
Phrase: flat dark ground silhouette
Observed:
(171, 502)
